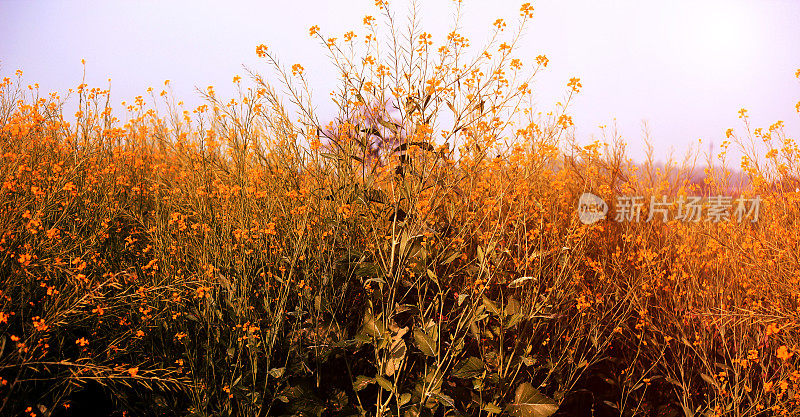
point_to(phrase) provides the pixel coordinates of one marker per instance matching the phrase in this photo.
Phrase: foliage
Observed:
(418, 256)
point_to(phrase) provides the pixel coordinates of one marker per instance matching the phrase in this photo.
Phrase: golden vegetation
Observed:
(420, 255)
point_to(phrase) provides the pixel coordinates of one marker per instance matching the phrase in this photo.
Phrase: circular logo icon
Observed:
(591, 208)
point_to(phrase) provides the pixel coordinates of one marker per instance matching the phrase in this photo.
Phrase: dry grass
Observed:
(420, 255)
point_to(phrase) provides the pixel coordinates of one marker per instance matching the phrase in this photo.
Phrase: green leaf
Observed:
(709, 379)
(362, 382)
(432, 276)
(394, 127)
(461, 298)
(397, 351)
(373, 327)
(512, 307)
(492, 408)
(491, 306)
(452, 257)
(468, 368)
(529, 402)
(513, 321)
(384, 383)
(362, 338)
(473, 329)
(277, 372)
(443, 399)
(424, 342)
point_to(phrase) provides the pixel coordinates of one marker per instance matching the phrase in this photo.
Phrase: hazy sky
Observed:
(686, 67)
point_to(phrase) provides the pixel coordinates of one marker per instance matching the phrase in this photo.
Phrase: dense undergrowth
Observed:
(421, 255)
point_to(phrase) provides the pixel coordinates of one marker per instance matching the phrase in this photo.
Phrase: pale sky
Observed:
(684, 66)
